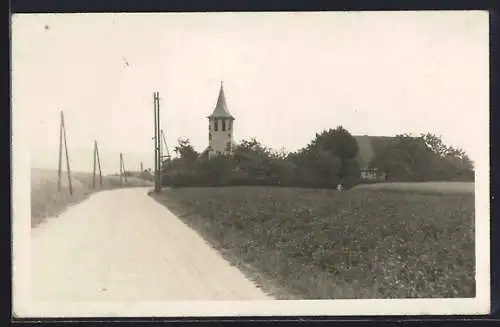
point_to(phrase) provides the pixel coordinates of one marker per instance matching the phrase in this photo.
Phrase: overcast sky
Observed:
(286, 76)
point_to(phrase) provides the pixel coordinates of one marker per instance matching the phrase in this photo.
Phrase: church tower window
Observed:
(215, 125)
(223, 125)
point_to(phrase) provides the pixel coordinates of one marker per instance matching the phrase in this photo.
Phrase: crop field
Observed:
(47, 202)
(422, 187)
(324, 244)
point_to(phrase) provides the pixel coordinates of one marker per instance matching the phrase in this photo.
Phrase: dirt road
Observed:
(123, 246)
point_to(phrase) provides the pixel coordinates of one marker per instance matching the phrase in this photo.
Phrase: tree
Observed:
(351, 173)
(252, 158)
(423, 158)
(435, 144)
(185, 150)
(253, 146)
(327, 167)
(405, 158)
(282, 153)
(216, 170)
(335, 149)
(339, 142)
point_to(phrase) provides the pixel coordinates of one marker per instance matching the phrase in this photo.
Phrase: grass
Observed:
(47, 202)
(324, 244)
(422, 187)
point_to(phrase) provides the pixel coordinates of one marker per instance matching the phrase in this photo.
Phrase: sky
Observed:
(286, 77)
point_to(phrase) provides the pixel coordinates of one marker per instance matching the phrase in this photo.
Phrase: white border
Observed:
(24, 307)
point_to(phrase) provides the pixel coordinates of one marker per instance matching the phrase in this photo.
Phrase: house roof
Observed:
(251, 156)
(369, 146)
(221, 110)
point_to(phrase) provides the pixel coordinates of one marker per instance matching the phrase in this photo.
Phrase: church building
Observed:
(220, 127)
(221, 139)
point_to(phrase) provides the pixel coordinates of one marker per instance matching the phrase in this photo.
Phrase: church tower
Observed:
(220, 127)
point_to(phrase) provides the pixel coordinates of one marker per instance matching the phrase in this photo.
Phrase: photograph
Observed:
(237, 164)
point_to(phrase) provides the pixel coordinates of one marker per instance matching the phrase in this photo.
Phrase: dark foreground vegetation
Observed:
(331, 158)
(321, 244)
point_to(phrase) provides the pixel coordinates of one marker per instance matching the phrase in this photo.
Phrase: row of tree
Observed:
(423, 158)
(328, 160)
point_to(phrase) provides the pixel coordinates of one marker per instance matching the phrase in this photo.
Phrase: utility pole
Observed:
(160, 152)
(123, 173)
(99, 163)
(159, 140)
(142, 167)
(165, 145)
(156, 102)
(165, 158)
(96, 158)
(156, 144)
(59, 167)
(62, 137)
(94, 164)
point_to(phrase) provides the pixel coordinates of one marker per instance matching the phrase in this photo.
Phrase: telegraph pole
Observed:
(166, 157)
(160, 152)
(68, 169)
(94, 165)
(59, 167)
(96, 159)
(62, 137)
(165, 145)
(123, 173)
(159, 140)
(156, 143)
(156, 101)
(99, 164)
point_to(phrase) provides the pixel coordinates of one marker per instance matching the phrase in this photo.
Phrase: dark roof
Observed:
(221, 110)
(369, 146)
(250, 156)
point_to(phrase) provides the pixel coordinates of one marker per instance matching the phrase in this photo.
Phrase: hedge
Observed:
(198, 180)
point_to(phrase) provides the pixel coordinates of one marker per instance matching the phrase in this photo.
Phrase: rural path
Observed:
(124, 246)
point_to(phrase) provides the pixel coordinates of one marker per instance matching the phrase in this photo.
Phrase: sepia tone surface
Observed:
(400, 223)
(134, 250)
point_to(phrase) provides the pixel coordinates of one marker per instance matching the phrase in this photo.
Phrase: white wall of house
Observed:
(372, 174)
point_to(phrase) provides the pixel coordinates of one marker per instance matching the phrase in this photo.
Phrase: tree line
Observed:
(328, 160)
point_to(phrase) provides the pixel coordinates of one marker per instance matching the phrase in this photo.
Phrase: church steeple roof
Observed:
(221, 110)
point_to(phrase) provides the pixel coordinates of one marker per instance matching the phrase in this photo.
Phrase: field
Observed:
(47, 202)
(423, 187)
(324, 244)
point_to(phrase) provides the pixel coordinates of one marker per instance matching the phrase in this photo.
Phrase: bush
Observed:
(147, 176)
(193, 180)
